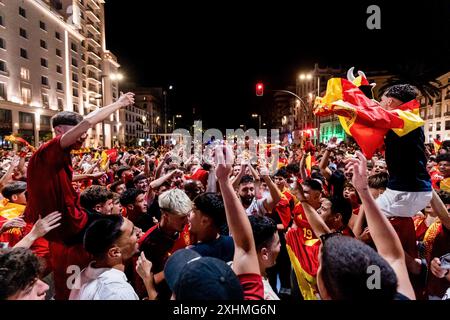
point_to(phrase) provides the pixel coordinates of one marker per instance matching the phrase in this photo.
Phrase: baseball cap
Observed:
(193, 277)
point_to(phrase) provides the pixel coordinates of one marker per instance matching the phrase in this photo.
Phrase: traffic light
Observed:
(259, 89)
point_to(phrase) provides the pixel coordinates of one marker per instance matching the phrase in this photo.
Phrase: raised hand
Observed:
(332, 144)
(45, 225)
(13, 223)
(224, 159)
(126, 99)
(144, 267)
(358, 166)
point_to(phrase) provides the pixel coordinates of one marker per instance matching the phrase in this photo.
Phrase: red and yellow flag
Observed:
(437, 145)
(363, 118)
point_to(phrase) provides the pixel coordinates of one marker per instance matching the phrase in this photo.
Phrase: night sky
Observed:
(214, 52)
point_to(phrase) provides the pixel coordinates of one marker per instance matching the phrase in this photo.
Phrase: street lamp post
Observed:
(254, 115)
(113, 77)
(178, 116)
(165, 93)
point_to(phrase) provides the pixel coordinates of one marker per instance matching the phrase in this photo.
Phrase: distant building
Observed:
(53, 57)
(437, 114)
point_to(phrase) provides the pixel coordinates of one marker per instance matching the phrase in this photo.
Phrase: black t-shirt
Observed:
(406, 161)
(221, 248)
(336, 183)
(154, 210)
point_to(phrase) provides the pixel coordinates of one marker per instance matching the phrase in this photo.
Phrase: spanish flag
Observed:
(437, 145)
(363, 118)
(303, 248)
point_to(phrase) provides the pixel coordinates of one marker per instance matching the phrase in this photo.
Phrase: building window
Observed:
(58, 52)
(430, 127)
(26, 95)
(74, 47)
(75, 77)
(2, 66)
(45, 120)
(23, 33)
(2, 91)
(44, 62)
(45, 102)
(74, 62)
(23, 53)
(447, 125)
(43, 44)
(25, 117)
(22, 12)
(59, 69)
(438, 126)
(44, 81)
(2, 43)
(58, 35)
(25, 74)
(59, 86)
(75, 92)
(42, 25)
(60, 104)
(1, 21)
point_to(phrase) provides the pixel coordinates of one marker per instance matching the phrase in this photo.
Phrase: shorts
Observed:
(394, 203)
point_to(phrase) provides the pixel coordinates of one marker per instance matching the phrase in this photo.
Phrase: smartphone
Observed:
(445, 261)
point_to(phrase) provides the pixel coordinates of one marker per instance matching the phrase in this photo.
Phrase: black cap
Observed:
(193, 277)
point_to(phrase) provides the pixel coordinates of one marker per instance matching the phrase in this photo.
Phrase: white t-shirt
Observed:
(102, 284)
(269, 294)
(256, 208)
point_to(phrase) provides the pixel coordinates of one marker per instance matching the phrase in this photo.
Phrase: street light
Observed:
(254, 115)
(113, 77)
(165, 107)
(178, 116)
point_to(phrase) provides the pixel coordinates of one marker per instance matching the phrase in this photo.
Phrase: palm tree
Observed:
(418, 75)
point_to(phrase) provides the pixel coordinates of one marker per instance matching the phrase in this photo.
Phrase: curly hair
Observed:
(19, 269)
(402, 92)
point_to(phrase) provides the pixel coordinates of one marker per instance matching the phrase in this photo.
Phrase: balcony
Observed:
(93, 80)
(93, 28)
(95, 55)
(94, 67)
(93, 41)
(93, 3)
(92, 15)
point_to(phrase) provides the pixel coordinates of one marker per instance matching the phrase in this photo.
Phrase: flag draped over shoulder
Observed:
(363, 118)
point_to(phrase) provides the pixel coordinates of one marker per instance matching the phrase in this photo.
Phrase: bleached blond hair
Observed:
(175, 201)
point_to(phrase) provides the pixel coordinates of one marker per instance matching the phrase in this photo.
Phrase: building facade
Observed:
(437, 113)
(53, 58)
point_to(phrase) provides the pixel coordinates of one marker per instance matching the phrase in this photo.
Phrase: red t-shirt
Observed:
(50, 189)
(200, 175)
(252, 285)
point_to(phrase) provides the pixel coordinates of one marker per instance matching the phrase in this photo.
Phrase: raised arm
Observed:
(245, 259)
(323, 166)
(235, 181)
(316, 222)
(440, 209)
(302, 169)
(275, 193)
(381, 230)
(71, 136)
(40, 229)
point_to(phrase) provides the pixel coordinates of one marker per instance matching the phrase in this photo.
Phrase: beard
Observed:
(247, 200)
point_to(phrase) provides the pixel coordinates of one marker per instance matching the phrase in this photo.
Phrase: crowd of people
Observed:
(137, 223)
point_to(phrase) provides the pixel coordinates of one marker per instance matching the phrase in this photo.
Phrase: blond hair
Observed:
(175, 201)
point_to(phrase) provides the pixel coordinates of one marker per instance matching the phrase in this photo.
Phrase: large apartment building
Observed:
(53, 57)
